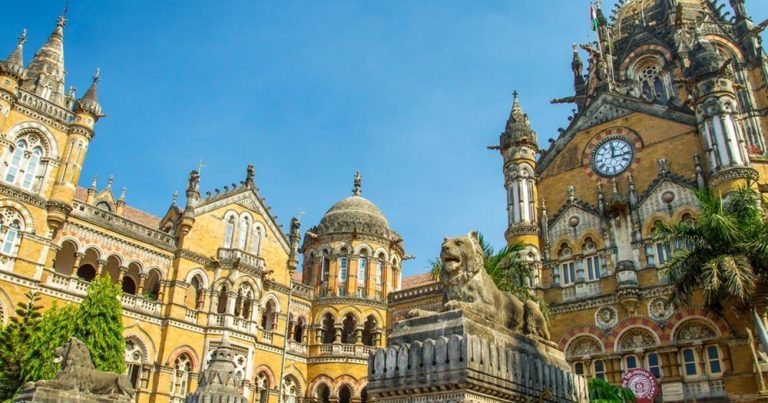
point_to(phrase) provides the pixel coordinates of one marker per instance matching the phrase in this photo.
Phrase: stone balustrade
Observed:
(297, 348)
(504, 373)
(416, 292)
(228, 256)
(79, 288)
(110, 220)
(346, 350)
(582, 291)
(191, 316)
(302, 289)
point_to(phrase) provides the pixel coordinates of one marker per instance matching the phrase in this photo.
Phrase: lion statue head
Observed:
(461, 258)
(73, 354)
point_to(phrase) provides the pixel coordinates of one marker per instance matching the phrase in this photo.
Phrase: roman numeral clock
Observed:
(611, 153)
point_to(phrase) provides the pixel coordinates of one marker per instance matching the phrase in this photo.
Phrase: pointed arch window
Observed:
(650, 80)
(180, 383)
(229, 232)
(591, 265)
(31, 170)
(258, 235)
(567, 265)
(242, 238)
(14, 164)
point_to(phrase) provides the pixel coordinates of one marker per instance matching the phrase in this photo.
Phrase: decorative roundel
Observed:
(612, 152)
(606, 317)
(642, 383)
(659, 309)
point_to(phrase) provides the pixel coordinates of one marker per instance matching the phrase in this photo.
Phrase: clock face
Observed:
(613, 157)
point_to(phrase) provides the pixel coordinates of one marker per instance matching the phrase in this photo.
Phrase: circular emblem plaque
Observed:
(642, 383)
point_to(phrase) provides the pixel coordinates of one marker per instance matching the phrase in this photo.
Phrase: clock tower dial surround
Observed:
(611, 153)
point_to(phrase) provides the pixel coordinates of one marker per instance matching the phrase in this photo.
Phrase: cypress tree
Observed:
(100, 325)
(14, 339)
(53, 331)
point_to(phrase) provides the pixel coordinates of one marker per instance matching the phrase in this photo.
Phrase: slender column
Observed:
(359, 335)
(120, 276)
(140, 287)
(214, 308)
(100, 267)
(337, 336)
(76, 265)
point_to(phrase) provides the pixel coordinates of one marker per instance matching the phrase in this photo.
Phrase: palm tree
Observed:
(601, 391)
(723, 253)
(506, 268)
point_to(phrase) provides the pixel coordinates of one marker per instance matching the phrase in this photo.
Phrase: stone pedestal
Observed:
(43, 394)
(457, 357)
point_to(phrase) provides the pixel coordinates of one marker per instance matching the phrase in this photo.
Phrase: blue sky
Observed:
(408, 92)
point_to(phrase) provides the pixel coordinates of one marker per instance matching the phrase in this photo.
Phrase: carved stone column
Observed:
(214, 308)
(140, 287)
(121, 275)
(100, 266)
(76, 265)
(337, 336)
(359, 335)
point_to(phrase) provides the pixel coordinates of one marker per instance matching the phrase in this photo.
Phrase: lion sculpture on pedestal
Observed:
(467, 286)
(79, 374)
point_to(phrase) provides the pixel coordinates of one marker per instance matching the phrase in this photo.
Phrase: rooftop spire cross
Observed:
(358, 184)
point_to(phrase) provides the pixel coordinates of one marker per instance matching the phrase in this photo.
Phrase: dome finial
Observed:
(358, 184)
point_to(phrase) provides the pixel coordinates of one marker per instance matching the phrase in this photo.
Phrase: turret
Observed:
(87, 113)
(45, 74)
(518, 146)
(716, 109)
(11, 73)
(294, 237)
(579, 85)
(193, 197)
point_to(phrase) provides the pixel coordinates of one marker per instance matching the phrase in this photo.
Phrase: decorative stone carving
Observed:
(659, 309)
(606, 317)
(583, 346)
(468, 287)
(221, 381)
(694, 330)
(636, 339)
(78, 380)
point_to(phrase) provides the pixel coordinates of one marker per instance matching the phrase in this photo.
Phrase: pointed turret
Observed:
(45, 75)
(518, 130)
(89, 103)
(14, 65)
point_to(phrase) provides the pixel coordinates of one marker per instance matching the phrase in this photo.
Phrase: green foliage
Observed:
(100, 325)
(601, 391)
(13, 340)
(54, 330)
(723, 251)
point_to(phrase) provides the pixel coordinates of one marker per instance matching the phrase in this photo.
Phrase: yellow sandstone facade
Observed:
(218, 266)
(673, 101)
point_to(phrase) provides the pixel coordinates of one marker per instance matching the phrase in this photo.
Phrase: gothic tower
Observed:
(518, 147)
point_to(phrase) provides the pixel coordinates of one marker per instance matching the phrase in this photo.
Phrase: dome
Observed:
(354, 210)
(354, 214)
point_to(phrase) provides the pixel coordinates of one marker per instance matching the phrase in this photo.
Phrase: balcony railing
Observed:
(191, 316)
(232, 256)
(297, 348)
(704, 389)
(347, 350)
(582, 291)
(76, 286)
(302, 289)
(266, 337)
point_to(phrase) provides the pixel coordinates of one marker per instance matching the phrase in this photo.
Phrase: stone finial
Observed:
(193, 188)
(94, 183)
(250, 173)
(110, 180)
(294, 237)
(122, 193)
(571, 194)
(357, 189)
(663, 165)
(175, 197)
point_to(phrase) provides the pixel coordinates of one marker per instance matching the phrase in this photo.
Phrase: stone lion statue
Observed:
(467, 286)
(78, 373)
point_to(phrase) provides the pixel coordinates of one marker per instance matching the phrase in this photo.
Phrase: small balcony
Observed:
(297, 348)
(345, 350)
(236, 257)
(712, 388)
(78, 287)
(232, 322)
(582, 291)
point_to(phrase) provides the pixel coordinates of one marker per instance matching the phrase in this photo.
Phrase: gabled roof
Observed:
(248, 197)
(607, 107)
(129, 213)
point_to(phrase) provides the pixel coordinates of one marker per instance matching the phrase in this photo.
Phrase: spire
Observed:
(250, 172)
(89, 103)
(577, 66)
(14, 64)
(193, 189)
(294, 237)
(357, 189)
(518, 129)
(45, 75)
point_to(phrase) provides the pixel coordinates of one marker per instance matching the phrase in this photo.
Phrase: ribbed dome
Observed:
(354, 211)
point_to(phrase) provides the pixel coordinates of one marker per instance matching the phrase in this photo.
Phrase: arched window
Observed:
(567, 265)
(11, 236)
(258, 235)
(14, 165)
(229, 232)
(86, 272)
(290, 390)
(242, 238)
(268, 317)
(657, 253)
(129, 286)
(379, 269)
(648, 73)
(298, 330)
(31, 171)
(369, 329)
(198, 294)
(362, 273)
(104, 206)
(323, 393)
(599, 369)
(223, 298)
(348, 329)
(262, 385)
(591, 265)
(653, 363)
(134, 359)
(180, 383)
(329, 328)
(345, 394)
(244, 302)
